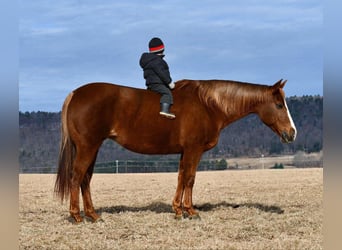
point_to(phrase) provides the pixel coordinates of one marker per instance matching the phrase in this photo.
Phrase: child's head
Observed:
(156, 46)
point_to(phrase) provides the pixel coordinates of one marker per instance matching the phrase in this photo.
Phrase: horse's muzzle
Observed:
(288, 137)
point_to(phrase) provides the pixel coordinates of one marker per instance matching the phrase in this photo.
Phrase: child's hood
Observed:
(146, 58)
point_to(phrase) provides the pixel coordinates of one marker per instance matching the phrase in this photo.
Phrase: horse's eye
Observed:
(279, 106)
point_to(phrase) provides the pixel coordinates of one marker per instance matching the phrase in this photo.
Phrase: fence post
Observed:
(117, 166)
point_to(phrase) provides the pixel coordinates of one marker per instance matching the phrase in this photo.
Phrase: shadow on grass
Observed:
(265, 208)
(156, 207)
(160, 207)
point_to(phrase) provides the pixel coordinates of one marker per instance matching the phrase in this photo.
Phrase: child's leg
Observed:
(166, 99)
(166, 95)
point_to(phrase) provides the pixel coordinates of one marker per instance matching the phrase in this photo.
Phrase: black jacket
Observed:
(155, 69)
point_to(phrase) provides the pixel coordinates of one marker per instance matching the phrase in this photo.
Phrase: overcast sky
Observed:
(67, 43)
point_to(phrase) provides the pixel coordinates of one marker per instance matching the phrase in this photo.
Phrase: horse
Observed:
(130, 116)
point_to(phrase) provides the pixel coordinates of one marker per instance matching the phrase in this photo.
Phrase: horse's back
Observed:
(104, 95)
(107, 95)
(102, 90)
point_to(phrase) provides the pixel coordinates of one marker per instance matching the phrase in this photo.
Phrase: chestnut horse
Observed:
(130, 117)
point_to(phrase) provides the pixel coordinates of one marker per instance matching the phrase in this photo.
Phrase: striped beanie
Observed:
(156, 46)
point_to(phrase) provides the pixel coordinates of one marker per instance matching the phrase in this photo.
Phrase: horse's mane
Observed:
(226, 94)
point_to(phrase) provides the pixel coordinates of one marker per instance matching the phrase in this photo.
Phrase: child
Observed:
(157, 75)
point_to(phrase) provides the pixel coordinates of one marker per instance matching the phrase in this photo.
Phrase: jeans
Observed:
(166, 95)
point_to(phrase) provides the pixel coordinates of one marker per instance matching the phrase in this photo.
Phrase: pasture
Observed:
(254, 209)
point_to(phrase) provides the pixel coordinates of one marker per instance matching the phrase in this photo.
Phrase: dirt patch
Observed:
(256, 209)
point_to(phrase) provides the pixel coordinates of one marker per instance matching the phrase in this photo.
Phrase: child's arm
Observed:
(163, 72)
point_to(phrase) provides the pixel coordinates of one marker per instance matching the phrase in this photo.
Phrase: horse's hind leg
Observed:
(84, 158)
(85, 188)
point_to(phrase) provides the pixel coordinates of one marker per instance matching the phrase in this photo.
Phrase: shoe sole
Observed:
(167, 115)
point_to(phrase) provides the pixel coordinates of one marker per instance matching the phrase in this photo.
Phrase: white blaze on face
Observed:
(291, 121)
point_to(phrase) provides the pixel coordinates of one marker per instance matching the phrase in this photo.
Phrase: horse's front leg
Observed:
(187, 203)
(177, 200)
(186, 180)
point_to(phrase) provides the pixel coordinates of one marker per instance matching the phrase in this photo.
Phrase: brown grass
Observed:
(256, 209)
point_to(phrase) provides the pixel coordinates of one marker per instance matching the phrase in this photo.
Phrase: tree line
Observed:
(39, 135)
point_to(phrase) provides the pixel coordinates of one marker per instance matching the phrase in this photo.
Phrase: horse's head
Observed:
(275, 113)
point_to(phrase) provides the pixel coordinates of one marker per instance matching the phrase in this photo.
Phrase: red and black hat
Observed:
(156, 45)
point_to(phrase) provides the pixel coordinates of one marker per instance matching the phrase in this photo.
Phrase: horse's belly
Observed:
(155, 145)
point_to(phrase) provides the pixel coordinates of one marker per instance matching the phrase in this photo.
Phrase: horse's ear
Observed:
(282, 84)
(279, 85)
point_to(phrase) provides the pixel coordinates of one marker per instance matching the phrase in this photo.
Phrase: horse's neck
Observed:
(241, 103)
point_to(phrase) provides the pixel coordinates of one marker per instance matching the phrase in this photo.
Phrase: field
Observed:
(254, 209)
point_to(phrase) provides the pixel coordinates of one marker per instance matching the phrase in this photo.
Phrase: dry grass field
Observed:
(254, 209)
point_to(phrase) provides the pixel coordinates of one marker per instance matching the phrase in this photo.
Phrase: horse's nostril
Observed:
(284, 134)
(289, 137)
(293, 134)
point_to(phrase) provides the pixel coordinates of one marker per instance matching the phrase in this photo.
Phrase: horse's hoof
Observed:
(98, 220)
(191, 214)
(93, 217)
(194, 217)
(76, 219)
(178, 216)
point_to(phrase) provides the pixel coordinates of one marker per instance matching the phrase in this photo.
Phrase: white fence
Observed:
(300, 159)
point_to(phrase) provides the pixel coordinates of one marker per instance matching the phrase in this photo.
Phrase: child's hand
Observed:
(172, 85)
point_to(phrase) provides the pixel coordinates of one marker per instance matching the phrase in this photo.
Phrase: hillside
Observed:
(40, 134)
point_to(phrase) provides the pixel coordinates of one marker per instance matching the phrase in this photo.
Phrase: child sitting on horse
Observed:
(157, 75)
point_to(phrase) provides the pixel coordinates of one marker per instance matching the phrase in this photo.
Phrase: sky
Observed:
(65, 44)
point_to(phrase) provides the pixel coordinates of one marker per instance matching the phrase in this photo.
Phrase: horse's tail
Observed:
(66, 156)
